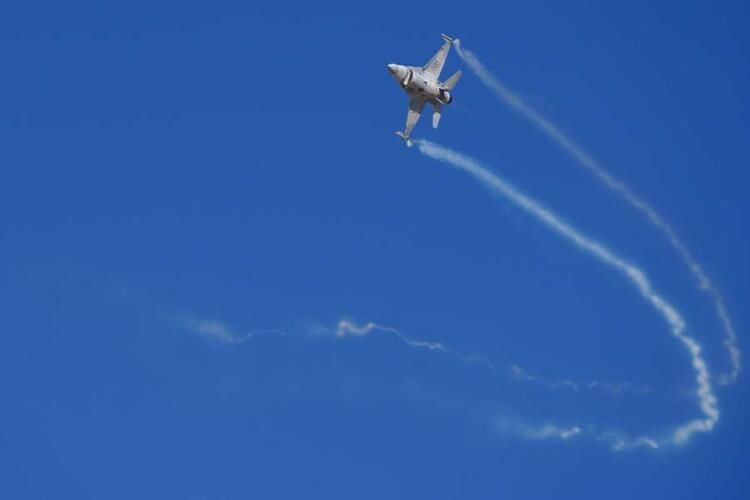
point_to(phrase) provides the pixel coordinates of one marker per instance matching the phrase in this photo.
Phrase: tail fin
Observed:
(453, 80)
(446, 37)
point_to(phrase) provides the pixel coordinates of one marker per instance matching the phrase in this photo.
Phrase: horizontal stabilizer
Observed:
(404, 137)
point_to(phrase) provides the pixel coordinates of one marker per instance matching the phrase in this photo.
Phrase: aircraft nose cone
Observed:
(392, 68)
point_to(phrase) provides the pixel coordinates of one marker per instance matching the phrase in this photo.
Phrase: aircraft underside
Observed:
(423, 86)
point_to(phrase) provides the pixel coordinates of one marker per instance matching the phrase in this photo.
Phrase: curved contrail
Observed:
(586, 160)
(637, 277)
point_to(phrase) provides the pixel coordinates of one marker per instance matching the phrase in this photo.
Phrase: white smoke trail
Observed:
(346, 328)
(218, 331)
(620, 442)
(707, 399)
(549, 430)
(519, 373)
(585, 159)
(513, 426)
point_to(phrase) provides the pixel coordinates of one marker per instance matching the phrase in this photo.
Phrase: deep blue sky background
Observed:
(236, 162)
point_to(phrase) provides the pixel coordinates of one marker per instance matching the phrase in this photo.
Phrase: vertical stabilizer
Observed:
(453, 80)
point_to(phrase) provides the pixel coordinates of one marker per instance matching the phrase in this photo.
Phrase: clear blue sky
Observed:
(168, 163)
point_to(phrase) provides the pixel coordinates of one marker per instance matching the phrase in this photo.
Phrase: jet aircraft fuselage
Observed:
(416, 83)
(423, 85)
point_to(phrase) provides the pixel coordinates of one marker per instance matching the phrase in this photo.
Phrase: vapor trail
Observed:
(707, 399)
(348, 329)
(586, 160)
(519, 373)
(219, 331)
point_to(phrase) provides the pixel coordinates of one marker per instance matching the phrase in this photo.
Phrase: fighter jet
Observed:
(422, 85)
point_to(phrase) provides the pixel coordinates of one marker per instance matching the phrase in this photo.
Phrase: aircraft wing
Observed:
(416, 104)
(435, 65)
